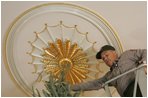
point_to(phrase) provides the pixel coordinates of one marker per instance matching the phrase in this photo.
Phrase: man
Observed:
(118, 65)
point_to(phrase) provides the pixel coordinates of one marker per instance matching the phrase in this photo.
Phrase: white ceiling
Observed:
(129, 19)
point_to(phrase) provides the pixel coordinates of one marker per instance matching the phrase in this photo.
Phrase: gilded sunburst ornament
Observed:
(68, 57)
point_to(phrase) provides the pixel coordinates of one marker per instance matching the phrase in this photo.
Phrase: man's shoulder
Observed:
(133, 50)
(128, 52)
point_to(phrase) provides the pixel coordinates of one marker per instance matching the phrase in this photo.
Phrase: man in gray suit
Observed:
(118, 65)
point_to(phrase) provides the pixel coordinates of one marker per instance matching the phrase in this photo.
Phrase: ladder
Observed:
(141, 79)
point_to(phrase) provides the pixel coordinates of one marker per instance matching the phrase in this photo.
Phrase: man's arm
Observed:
(141, 55)
(90, 85)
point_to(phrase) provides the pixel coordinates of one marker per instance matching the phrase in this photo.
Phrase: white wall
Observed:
(127, 18)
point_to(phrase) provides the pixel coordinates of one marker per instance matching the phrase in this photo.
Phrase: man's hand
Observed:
(145, 69)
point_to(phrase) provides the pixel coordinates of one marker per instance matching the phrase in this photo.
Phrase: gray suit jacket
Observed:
(128, 60)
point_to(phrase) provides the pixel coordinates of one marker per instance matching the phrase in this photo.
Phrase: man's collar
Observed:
(115, 64)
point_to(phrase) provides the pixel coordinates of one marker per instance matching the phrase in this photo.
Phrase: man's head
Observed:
(108, 54)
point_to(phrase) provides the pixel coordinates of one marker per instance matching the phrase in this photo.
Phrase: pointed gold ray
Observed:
(79, 54)
(47, 57)
(82, 62)
(67, 47)
(52, 63)
(54, 50)
(81, 74)
(81, 65)
(82, 55)
(49, 53)
(76, 78)
(49, 62)
(84, 67)
(72, 49)
(46, 51)
(64, 49)
(81, 70)
(80, 59)
(73, 82)
(74, 52)
(60, 47)
(57, 72)
(68, 79)
(49, 68)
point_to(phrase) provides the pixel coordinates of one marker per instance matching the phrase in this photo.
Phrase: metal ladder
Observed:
(141, 79)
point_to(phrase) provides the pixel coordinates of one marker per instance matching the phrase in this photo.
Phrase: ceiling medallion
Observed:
(62, 54)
